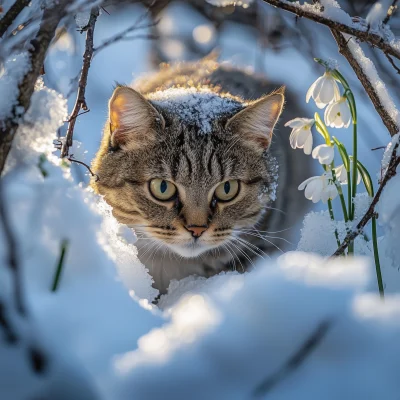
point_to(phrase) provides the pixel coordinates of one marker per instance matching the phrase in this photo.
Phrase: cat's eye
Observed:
(162, 190)
(227, 191)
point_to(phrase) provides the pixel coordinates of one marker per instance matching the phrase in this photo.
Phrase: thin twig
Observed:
(80, 99)
(122, 36)
(390, 173)
(12, 14)
(363, 35)
(397, 69)
(135, 26)
(72, 159)
(378, 148)
(371, 90)
(12, 253)
(37, 51)
(391, 11)
(295, 361)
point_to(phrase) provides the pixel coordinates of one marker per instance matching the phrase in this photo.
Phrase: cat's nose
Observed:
(196, 230)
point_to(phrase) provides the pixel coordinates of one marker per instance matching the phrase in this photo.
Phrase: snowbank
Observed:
(245, 341)
(91, 316)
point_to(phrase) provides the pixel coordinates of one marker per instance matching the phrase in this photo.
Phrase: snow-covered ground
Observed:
(298, 326)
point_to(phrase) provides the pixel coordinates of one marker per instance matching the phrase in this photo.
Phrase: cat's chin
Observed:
(190, 250)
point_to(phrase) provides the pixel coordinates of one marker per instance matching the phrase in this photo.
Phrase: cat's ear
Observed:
(255, 123)
(133, 119)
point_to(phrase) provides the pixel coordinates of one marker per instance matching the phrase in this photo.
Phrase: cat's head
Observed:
(188, 168)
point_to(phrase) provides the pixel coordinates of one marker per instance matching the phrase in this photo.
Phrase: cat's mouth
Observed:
(192, 248)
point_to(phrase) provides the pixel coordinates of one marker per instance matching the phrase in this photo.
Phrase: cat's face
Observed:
(189, 184)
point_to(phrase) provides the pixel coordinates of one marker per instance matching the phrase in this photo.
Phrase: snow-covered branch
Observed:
(36, 54)
(378, 95)
(341, 26)
(11, 14)
(342, 22)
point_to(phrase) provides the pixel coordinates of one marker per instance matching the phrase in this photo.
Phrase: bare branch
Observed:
(295, 361)
(390, 173)
(363, 35)
(37, 52)
(12, 14)
(372, 92)
(397, 69)
(391, 11)
(80, 99)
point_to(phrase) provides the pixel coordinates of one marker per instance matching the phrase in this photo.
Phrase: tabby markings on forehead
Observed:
(196, 106)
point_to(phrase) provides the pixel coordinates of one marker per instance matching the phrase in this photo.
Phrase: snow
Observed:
(251, 332)
(321, 241)
(100, 335)
(211, 338)
(196, 106)
(78, 324)
(39, 127)
(11, 74)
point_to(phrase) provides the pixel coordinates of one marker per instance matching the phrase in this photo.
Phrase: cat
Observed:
(189, 160)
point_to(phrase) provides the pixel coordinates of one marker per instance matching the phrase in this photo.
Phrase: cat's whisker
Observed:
(251, 246)
(262, 236)
(234, 253)
(273, 232)
(152, 245)
(232, 260)
(154, 253)
(268, 241)
(248, 258)
(275, 209)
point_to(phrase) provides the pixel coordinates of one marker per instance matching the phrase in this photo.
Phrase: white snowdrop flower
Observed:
(341, 175)
(324, 90)
(301, 136)
(324, 154)
(337, 114)
(319, 188)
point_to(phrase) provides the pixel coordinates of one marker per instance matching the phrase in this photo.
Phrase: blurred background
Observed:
(255, 36)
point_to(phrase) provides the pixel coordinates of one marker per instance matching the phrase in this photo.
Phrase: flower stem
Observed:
(340, 191)
(366, 177)
(354, 183)
(376, 258)
(333, 219)
(349, 194)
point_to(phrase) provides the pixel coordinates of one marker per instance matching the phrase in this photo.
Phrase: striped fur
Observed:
(197, 163)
